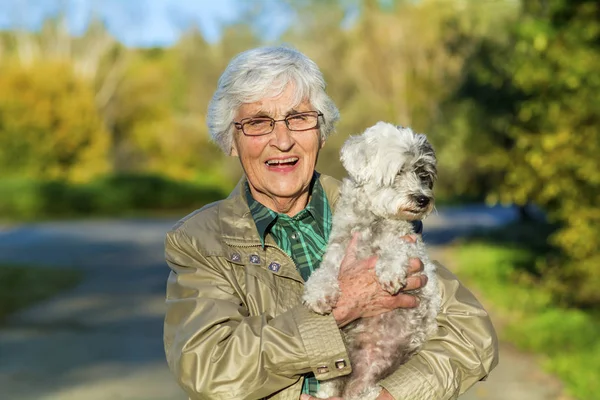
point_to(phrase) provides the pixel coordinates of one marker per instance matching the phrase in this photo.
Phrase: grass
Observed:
(500, 266)
(113, 195)
(22, 286)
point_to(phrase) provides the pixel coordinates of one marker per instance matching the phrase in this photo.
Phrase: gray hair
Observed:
(266, 71)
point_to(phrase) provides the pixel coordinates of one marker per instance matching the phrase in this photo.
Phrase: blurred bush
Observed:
(111, 195)
(524, 311)
(528, 109)
(49, 126)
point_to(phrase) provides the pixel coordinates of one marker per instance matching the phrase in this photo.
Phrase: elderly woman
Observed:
(235, 327)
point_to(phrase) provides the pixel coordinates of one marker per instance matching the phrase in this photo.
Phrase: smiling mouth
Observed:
(283, 162)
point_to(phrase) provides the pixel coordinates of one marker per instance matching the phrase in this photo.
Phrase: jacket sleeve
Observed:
(464, 350)
(218, 351)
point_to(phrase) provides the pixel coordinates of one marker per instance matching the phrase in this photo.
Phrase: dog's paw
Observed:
(370, 393)
(322, 305)
(392, 283)
(330, 388)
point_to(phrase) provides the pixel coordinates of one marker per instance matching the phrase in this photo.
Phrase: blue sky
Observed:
(141, 22)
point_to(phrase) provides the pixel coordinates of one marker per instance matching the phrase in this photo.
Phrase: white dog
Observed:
(391, 174)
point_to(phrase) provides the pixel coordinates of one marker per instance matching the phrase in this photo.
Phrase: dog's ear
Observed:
(427, 155)
(377, 155)
(425, 148)
(354, 158)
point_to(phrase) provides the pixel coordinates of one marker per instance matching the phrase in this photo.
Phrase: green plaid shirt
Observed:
(303, 237)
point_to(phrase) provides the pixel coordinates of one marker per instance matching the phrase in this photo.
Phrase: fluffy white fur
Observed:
(391, 174)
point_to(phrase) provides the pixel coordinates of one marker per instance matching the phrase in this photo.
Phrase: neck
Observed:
(282, 205)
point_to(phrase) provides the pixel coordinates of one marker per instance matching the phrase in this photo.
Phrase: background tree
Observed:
(534, 131)
(395, 61)
(49, 125)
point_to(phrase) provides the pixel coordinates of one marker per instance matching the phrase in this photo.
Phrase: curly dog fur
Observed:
(391, 171)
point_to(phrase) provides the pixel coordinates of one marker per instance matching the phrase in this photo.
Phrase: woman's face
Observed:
(279, 165)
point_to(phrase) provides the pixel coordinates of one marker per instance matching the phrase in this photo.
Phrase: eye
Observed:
(297, 118)
(257, 122)
(426, 178)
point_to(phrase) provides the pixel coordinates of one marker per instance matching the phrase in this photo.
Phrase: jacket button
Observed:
(322, 370)
(274, 266)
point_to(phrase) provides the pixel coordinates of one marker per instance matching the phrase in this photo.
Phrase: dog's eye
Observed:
(426, 178)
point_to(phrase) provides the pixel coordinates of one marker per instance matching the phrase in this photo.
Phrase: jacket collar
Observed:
(316, 209)
(238, 226)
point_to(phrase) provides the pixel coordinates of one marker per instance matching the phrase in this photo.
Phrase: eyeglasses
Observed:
(259, 126)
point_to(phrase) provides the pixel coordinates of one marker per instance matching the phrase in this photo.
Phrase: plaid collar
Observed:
(265, 218)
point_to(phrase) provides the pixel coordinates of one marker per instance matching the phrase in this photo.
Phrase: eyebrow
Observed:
(263, 113)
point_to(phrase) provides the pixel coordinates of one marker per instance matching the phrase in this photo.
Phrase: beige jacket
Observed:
(235, 327)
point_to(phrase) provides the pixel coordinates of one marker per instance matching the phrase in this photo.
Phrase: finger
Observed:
(306, 397)
(371, 262)
(415, 282)
(350, 254)
(415, 266)
(410, 238)
(405, 301)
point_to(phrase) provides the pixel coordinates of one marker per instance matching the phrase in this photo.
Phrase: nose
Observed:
(422, 201)
(282, 138)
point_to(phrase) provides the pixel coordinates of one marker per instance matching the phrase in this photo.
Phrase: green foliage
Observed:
(579, 370)
(533, 131)
(396, 63)
(493, 268)
(111, 195)
(23, 285)
(149, 192)
(152, 102)
(49, 128)
(497, 264)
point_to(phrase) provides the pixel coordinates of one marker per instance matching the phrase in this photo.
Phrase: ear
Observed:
(427, 155)
(354, 158)
(234, 150)
(425, 148)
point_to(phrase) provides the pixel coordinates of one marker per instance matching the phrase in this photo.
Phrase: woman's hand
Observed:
(362, 295)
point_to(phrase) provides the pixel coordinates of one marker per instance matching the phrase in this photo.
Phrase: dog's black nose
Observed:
(422, 201)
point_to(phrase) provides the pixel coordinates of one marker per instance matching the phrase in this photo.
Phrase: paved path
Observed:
(103, 340)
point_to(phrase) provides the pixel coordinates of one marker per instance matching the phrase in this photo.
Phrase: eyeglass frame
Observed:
(239, 125)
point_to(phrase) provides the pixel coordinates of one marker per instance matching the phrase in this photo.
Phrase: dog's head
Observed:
(396, 167)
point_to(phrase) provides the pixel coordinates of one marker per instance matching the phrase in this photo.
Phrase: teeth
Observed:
(287, 160)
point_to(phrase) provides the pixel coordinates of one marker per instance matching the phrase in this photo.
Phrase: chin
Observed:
(290, 188)
(285, 192)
